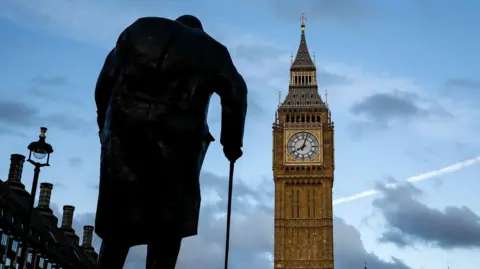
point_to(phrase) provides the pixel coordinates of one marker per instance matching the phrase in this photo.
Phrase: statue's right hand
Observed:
(232, 153)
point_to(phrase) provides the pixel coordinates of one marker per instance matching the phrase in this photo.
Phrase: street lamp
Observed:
(39, 156)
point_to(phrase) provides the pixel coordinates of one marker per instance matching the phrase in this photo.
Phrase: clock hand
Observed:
(304, 142)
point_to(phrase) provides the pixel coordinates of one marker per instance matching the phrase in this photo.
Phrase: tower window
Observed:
(308, 243)
(318, 118)
(308, 207)
(294, 96)
(310, 79)
(303, 118)
(293, 203)
(308, 116)
(313, 202)
(298, 204)
(298, 118)
(308, 102)
(298, 244)
(298, 103)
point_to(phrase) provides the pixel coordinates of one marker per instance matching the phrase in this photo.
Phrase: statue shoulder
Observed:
(145, 24)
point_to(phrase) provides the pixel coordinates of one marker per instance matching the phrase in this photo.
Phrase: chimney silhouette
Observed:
(16, 168)
(44, 204)
(87, 237)
(67, 220)
(15, 174)
(67, 217)
(45, 195)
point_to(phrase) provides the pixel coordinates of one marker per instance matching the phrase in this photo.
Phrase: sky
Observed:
(403, 82)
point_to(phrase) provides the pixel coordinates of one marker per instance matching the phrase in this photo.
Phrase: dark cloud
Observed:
(6, 131)
(384, 108)
(14, 115)
(251, 232)
(54, 89)
(75, 161)
(410, 222)
(463, 83)
(339, 11)
(50, 81)
(350, 252)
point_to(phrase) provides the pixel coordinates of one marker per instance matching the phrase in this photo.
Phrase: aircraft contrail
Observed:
(417, 178)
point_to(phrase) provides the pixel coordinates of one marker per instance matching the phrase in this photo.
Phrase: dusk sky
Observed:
(403, 81)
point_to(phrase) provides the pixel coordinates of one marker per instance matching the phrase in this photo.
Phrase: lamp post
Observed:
(39, 150)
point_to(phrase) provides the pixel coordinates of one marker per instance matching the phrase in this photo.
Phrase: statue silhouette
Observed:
(152, 99)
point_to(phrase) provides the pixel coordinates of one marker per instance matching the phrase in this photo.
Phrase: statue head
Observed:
(190, 21)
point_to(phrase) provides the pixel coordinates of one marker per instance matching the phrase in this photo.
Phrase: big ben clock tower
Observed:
(303, 165)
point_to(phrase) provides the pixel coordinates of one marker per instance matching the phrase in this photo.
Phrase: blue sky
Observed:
(402, 76)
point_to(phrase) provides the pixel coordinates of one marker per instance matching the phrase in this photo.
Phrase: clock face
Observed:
(303, 146)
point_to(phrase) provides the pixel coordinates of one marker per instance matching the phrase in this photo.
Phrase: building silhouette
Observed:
(50, 246)
(303, 166)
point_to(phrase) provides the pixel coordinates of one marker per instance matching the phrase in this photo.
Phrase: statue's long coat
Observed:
(152, 99)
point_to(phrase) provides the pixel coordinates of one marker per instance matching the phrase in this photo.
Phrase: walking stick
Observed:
(229, 211)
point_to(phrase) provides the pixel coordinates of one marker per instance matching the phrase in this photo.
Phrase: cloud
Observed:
(50, 81)
(410, 222)
(15, 114)
(251, 232)
(100, 23)
(350, 252)
(463, 83)
(385, 108)
(75, 161)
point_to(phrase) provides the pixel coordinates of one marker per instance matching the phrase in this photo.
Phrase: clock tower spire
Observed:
(303, 165)
(303, 88)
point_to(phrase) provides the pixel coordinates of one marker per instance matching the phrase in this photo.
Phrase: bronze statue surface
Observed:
(152, 99)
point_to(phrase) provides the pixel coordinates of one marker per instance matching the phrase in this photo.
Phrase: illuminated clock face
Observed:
(303, 146)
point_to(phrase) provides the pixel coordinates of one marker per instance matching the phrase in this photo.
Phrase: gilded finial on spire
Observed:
(303, 20)
(279, 97)
(291, 58)
(314, 59)
(365, 264)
